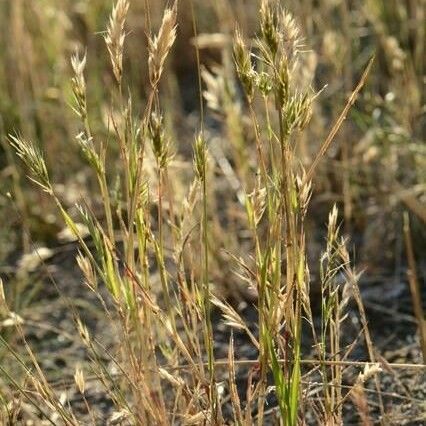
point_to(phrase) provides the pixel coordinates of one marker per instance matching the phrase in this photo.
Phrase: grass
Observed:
(150, 228)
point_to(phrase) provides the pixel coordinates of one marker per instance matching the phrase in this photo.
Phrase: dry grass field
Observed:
(213, 212)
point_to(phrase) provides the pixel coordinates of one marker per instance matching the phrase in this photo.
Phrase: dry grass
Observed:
(152, 231)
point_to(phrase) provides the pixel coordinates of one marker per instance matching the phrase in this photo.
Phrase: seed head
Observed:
(297, 112)
(159, 46)
(79, 379)
(242, 60)
(283, 81)
(160, 145)
(33, 158)
(115, 36)
(78, 84)
(84, 332)
(269, 27)
(290, 34)
(200, 157)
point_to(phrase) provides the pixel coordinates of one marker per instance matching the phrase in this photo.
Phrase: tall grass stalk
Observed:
(162, 304)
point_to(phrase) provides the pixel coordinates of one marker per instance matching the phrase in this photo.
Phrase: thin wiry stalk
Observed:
(200, 163)
(339, 121)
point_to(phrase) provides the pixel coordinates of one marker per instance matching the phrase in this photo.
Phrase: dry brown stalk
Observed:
(342, 117)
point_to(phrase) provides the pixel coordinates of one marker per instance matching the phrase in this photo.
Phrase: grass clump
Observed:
(153, 250)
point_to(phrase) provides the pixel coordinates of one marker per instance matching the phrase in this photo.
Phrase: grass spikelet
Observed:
(268, 27)
(290, 34)
(115, 35)
(78, 84)
(233, 319)
(33, 158)
(358, 394)
(159, 46)
(79, 379)
(160, 144)
(243, 64)
(200, 157)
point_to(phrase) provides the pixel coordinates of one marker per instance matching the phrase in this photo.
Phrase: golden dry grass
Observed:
(179, 216)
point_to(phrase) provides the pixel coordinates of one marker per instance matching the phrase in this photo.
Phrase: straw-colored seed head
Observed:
(283, 81)
(332, 224)
(84, 332)
(280, 34)
(305, 112)
(243, 63)
(78, 65)
(370, 370)
(304, 192)
(159, 46)
(257, 200)
(297, 112)
(269, 27)
(231, 317)
(115, 36)
(172, 379)
(88, 149)
(79, 379)
(33, 158)
(87, 269)
(290, 32)
(78, 84)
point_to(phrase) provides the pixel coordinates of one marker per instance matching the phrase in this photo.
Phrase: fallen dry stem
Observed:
(249, 362)
(224, 363)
